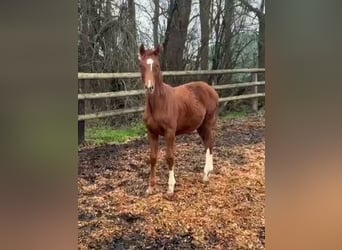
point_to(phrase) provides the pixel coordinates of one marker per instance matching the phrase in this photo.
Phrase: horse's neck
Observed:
(157, 100)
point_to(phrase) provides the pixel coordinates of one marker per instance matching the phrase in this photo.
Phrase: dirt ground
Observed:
(226, 213)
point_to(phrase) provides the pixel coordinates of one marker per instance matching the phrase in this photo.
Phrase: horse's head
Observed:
(149, 67)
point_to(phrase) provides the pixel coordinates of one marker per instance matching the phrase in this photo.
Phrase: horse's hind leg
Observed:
(208, 167)
(206, 133)
(170, 159)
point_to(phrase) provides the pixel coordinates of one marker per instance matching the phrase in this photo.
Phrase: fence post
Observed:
(81, 111)
(255, 91)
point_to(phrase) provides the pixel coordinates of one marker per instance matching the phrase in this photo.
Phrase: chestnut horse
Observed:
(172, 111)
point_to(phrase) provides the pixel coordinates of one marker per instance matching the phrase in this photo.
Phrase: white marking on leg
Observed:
(172, 181)
(149, 190)
(208, 165)
(150, 61)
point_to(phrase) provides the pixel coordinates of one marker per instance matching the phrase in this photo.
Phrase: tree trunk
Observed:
(204, 18)
(261, 47)
(218, 35)
(228, 35)
(175, 35)
(226, 62)
(261, 38)
(85, 47)
(132, 27)
(155, 22)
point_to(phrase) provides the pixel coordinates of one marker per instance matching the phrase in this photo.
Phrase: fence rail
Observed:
(82, 75)
(140, 91)
(110, 94)
(254, 95)
(103, 114)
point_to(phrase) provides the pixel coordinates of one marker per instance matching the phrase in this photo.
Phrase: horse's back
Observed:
(204, 93)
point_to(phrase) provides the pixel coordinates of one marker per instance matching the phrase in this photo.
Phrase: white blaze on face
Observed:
(172, 181)
(208, 165)
(150, 62)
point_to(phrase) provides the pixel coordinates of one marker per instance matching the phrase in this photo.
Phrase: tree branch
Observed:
(258, 12)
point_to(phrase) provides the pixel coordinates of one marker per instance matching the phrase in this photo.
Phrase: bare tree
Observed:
(222, 48)
(107, 43)
(204, 17)
(155, 22)
(208, 34)
(228, 34)
(260, 13)
(175, 35)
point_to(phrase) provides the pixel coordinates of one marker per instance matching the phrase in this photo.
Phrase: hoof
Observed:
(169, 196)
(149, 191)
(205, 178)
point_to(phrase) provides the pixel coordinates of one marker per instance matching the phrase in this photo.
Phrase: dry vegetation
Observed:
(227, 213)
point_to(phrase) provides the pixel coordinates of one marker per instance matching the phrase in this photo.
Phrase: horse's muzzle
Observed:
(149, 89)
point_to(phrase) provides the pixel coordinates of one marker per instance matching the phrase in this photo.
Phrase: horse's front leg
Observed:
(170, 160)
(153, 141)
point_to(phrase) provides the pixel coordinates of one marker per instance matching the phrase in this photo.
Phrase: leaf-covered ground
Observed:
(227, 213)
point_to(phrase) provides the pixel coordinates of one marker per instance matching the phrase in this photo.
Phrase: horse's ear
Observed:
(142, 50)
(158, 50)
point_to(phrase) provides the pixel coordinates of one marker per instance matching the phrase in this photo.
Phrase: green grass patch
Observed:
(103, 134)
(232, 115)
(106, 135)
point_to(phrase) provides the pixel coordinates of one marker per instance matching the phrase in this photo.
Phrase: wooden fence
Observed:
(254, 95)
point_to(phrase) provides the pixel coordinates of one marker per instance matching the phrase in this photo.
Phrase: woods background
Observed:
(197, 34)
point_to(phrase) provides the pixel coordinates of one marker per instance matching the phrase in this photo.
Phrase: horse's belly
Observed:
(185, 131)
(189, 124)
